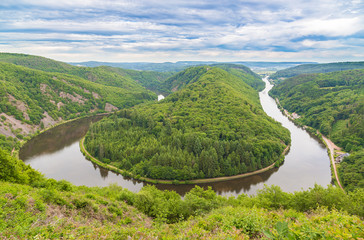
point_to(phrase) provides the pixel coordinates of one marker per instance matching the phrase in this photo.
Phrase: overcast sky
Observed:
(175, 30)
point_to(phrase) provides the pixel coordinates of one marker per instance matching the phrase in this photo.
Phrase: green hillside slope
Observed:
(32, 99)
(33, 207)
(243, 72)
(126, 79)
(315, 68)
(215, 126)
(192, 74)
(151, 80)
(333, 103)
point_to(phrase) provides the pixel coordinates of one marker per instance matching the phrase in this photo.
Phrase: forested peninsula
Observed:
(212, 127)
(332, 103)
(213, 120)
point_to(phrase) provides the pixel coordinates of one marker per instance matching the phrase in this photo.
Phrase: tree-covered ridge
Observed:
(36, 62)
(109, 76)
(333, 103)
(183, 78)
(243, 72)
(192, 74)
(35, 207)
(213, 127)
(151, 80)
(39, 99)
(316, 68)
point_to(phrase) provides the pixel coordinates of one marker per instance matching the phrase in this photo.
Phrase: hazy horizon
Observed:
(160, 31)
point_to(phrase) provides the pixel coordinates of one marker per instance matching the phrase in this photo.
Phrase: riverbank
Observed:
(177, 182)
(15, 152)
(328, 143)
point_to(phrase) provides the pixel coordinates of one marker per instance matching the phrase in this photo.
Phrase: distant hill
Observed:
(214, 126)
(244, 73)
(192, 74)
(32, 99)
(182, 65)
(110, 76)
(151, 80)
(147, 66)
(315, 68)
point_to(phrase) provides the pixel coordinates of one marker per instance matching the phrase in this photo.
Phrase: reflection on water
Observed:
(56, 153)
(57, 138)
(231, 187)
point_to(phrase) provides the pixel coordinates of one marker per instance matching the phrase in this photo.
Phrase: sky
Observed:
(175, 30)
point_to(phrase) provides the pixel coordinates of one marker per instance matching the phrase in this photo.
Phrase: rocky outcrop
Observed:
(20, 106)
(109, 107)
(95, 95)
(9, 126)
(59, 105)
(74, 98)
(48, 120)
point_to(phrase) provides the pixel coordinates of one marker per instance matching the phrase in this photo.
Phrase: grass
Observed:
(98, 213)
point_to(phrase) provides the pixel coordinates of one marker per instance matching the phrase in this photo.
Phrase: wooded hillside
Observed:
(214, 126)
(315, 68)
(333, 103)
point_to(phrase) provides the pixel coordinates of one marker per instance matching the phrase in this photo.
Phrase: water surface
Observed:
(56, 154)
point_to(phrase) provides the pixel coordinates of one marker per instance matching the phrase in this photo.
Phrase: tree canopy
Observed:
(214, 126)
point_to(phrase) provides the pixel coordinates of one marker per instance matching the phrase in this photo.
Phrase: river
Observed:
(57, 155)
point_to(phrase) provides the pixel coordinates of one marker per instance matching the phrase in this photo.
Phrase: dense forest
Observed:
(244, 73)
(333, 103)
(33, 99)
(33, 207)
(192, 74)
(315, 68)
(214, 126)
(351, 171)
(106, 75)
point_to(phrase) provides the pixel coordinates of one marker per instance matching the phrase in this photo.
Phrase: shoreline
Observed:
(23, 142)
(330, 146)
(176, 182)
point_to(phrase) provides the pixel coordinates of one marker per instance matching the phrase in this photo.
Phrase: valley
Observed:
(187, 144)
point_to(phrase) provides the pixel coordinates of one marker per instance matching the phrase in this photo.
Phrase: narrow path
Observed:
(331, 146)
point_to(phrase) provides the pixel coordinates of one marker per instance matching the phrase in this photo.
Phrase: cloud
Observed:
(183, 30)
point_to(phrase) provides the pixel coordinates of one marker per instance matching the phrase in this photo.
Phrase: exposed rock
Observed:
(43, 88)
(77, 98)
(86, 91)
(15, 124)
(20, 106)
(95, 95)
(109, 107)
(59, 105)
(48, 120)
